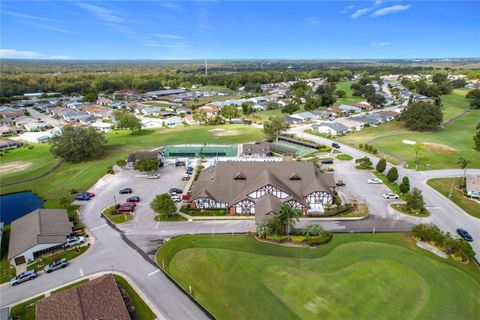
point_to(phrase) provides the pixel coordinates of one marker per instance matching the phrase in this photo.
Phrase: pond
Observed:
(16, 205)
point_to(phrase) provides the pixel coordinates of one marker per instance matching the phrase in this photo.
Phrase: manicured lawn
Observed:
(444, 185)
(7, 272)
(352, 277)
(204, 212)
(83, 175)
(142, 310)
(175, 217)
(439, 150)
(403, 208)
(25, 310)
(49, 257)
(111, 214)
(264, 115)
(344, 157)
(349, 99)
(212, 88)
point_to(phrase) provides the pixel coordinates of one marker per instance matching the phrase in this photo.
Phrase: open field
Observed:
(440, 149)
(82, 175)
(349, 99)
(352, 277)
(444, 185)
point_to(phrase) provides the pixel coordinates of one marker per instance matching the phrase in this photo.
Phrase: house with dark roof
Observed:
(37, 232)
(261, 188)
(99, 298)
(256, 150)
(332, 128)
(7, 144)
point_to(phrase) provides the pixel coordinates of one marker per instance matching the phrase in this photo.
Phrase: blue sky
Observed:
(239, 29)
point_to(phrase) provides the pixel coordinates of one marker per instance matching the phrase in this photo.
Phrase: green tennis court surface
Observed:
(300, 149)
(197, 151)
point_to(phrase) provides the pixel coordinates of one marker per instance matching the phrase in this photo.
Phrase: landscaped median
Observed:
(111, 214)
(354, 276)
(403, 208)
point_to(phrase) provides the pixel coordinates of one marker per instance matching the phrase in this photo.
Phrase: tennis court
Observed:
(301, 151)
(189, 151)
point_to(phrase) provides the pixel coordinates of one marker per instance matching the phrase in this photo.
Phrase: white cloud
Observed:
(381, 44)
(24, 16)
(313, 20)
(17, 54)
(104, 14)
(360, 12)
(390, 10)
(169, 36)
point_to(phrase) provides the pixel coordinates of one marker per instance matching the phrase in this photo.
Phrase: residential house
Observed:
(103, 101)
(210, 109)
(173, 121)
(12, 113)
(8, 121)
(126, 94)
(261, 188)
(189, 119)
(7, 144)
(364, 105)
(37, 137)
(291, 119)
(419, 97)
(162, 93)
(183, 111)
(305, 116)
(473, 186)
(350, 109)
(322, 114)
(367, 120)
(350, 123)
(102, 126)
(37, 232)
(74, 105)
(390, 114)
(330, 128)
(151, 111)
(99, 298)
(117, 104)
(338, 112)
(37, 126)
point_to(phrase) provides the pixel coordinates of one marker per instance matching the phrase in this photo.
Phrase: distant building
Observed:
(330, 128)
(473, 186)
(162, 93)
(7, 144)
(350, 109)
(256, 150)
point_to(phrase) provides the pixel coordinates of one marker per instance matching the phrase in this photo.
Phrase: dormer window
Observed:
(294, 176)
(239, 176)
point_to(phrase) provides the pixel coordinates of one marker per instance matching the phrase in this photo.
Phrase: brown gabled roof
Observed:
(42, 226)
(219, 184)
(266, 205)
(97, 299)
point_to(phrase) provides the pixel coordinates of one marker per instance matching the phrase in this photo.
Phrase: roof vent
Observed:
(239, 176)
(294, 176)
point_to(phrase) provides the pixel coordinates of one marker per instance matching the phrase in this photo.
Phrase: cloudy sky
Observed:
(239, 29)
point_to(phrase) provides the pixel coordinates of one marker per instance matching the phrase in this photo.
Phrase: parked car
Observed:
(390, 195)
(125, 208)
(176, 191)
(335, 145)
(374, 181)
(90, 194)
(327, 161)
(82, 197)
(185, 177)
(340, 183)
(465, 234)
(153, 176)
(176, 198)
(55, 265)
(131, 204)
(74, 241)
(24, 276)
(133, 199)
(126, 191)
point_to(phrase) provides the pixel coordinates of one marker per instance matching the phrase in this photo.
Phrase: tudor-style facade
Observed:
(257, 188)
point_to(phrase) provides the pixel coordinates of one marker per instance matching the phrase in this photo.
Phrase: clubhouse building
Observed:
(261, 188)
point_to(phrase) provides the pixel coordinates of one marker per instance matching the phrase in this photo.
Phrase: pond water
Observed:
(16, 205)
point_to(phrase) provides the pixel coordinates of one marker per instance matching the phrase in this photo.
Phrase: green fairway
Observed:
(349, 99)
(382, 276)
(439, 150)
(83, 175)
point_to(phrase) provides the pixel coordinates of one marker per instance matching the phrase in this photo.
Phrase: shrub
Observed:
(381, 165)
(297, 239)
(31, 147)
(364, 163)
(392, 174)
(121, 163)
(276, 238)
(405, 185)
(360, 145)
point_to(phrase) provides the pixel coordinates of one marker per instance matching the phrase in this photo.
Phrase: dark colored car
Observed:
(82, 197)
(176, 190)
(340, 183)
(464, 234)
(336, 145)
(326, 161)
(133, 199)
(126, 191)
(125, 208)
(90, 194)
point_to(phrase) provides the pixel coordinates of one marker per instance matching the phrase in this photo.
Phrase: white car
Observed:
(74, 241)
(390, 195)
(374, 181)
(176, 198)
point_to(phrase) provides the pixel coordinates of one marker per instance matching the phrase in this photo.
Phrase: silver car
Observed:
(73, 241)
(24, 276)
(55, 265)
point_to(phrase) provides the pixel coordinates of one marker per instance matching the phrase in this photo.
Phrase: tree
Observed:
(474, 98)
(78, 143)
(422, 116)
(90, 97)
(327, 99)
(463, 163)
(287, 217)
(392, 174)
(476, 139)
(275, 126)
(364, 163)
(127, 120)
(313, 229)
(247, 108)
(439, 78)
(272, 105)
(415, 200)
(376, 100)
(229, 112)
(381, 165)
(405, 185)
(163, 205)
(341, 93)
(200, 116)
(262, 230)
(64, 201)
(312, 103)
(326, 88)
(290, 108)
(146, 164)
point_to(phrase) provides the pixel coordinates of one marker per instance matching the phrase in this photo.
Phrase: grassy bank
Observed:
(237, 277)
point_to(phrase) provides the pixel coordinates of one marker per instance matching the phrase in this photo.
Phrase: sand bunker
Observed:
(441, 148)
(224, 133)
(14, 166)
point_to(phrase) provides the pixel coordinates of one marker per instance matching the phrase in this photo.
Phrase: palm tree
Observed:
(463, 163)
(262, 230)
(313, 229)
(287, 217)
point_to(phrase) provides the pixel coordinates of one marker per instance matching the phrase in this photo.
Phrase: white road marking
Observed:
(153, 272)
(156, 225)
(81, 272)
(103, 225)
